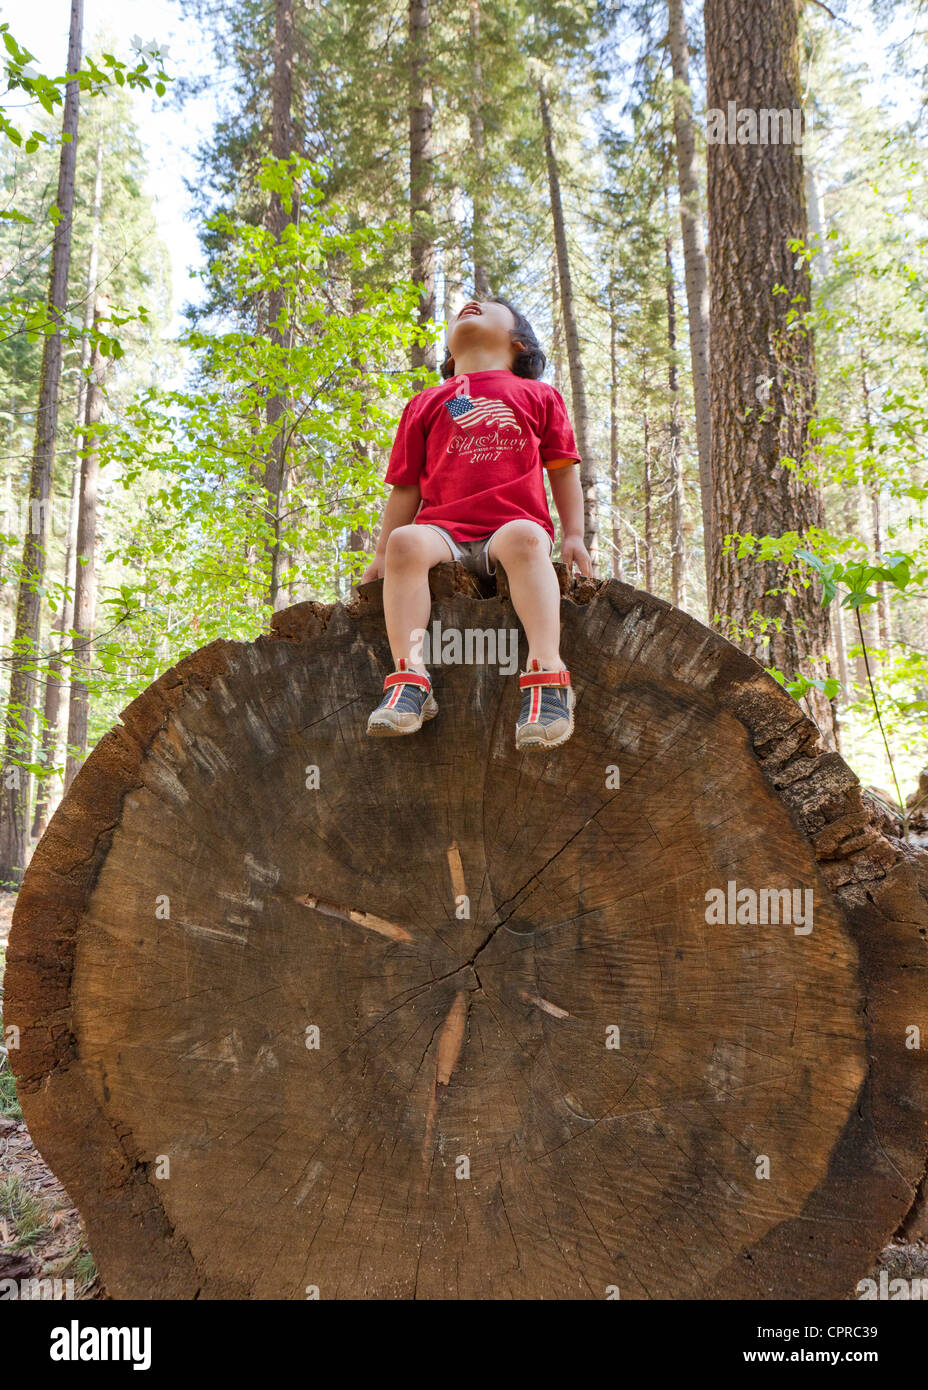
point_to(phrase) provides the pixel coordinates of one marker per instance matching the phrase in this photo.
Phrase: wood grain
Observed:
(180, 1042)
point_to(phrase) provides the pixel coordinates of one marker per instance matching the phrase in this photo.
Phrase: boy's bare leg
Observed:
(407, 604)
(522, 547)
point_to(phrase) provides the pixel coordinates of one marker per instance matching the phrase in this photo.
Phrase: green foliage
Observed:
(194, 565)
(92, 78)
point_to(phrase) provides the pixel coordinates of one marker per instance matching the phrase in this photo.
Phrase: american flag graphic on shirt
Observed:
(480, 410)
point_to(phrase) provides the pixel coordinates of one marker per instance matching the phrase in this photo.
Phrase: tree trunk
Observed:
(21, 703)
(54, 687)
(556, 354)
(568, 313)
(478, 144)
(837, 627)
(675, 459)
(85, 583)
(756, 203)
(421, 191)
(872, 524)
(279, 217)
(614, 462)
(286, 1026)
(694, 262)
(648, 528)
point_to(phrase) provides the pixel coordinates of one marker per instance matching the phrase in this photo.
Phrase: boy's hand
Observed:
(574, 552)
(373, 571)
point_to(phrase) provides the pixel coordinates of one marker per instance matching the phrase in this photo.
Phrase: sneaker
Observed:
(546, 718)
(407, 703)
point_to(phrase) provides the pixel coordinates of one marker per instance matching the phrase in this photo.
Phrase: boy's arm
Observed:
(402, 505)
(568, 498)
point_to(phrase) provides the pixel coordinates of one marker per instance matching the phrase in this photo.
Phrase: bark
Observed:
(674, 450)
(520, 976)
(359, 537)
(872, 523)
(648, 528)
(479, 200)
(85, 585)
(556, 353)
(55, 687)
(817, 228)
(579, 407)
(279, 334)
(837, 628)
(614, 461)
(20, 713)
(450, 256)
(421, 175)
(694, 262)
(756, 204)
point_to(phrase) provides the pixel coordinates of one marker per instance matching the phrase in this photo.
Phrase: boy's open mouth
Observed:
(469, 309)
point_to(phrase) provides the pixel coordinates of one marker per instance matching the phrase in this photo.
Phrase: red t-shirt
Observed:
(475, 445)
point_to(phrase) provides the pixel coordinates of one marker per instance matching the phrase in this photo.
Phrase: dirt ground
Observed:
(41, 1233)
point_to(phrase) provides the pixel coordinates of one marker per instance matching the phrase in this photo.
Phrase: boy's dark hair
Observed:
(530, 362)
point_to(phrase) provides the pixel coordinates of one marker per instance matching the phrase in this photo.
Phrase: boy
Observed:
(466, 471)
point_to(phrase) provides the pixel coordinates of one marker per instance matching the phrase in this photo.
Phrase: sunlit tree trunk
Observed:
(20, 713)
(56, 690)
(421, 190)
(694, 262)
(275, 478)
(614, 463)
(85, 584)
(571, 333)
(756, 205)
(478, 145)
(674, 450)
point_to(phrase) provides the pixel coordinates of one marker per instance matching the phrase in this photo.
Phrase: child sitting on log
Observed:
(467, 485)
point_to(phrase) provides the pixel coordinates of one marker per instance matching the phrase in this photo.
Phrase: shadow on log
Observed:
(453, 1023)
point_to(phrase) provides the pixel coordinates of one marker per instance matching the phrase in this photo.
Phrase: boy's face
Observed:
(484, 324)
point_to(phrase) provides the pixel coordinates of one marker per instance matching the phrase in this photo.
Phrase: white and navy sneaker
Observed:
(407, 703)
(546, 718)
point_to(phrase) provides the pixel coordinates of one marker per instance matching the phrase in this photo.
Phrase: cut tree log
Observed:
(423, 1017)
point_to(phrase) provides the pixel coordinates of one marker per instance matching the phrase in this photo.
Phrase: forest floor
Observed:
(41, 1233)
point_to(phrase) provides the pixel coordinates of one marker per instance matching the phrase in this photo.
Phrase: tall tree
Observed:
(20, 712)
(614, 463)
(762, 370)
(478, 143)
(421, 156)
(580, 409)
(674, 443)
(280, 216)
(694, 261)
(85, 583)
(54, 684)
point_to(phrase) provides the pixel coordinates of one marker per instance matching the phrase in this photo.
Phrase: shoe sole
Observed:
(381, 729)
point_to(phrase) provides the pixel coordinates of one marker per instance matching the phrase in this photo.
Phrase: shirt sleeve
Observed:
(557, 444)
(407, 457)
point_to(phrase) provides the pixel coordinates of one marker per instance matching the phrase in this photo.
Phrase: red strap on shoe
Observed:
(544, 678)
(407, 678)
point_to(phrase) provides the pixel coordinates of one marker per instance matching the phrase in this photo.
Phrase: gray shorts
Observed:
(473, 555)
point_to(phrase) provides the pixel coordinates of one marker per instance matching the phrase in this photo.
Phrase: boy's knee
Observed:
(405, 545)
(520, 538)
